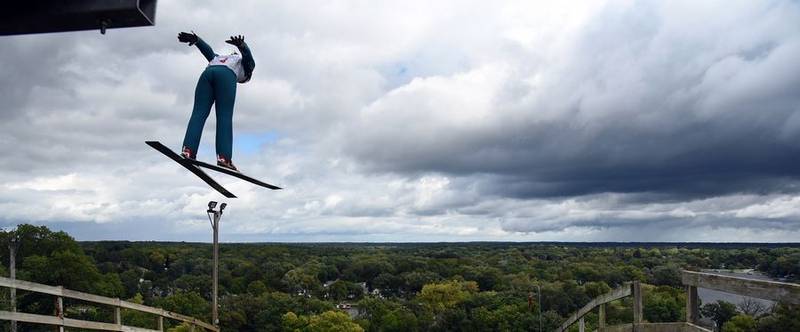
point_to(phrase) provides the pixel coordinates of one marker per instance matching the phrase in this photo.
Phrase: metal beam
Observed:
(42, 16)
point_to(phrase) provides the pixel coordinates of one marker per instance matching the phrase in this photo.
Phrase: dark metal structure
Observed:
(42, 16)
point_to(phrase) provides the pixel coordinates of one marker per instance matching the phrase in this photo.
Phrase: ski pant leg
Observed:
(203, 98)
(225, 96)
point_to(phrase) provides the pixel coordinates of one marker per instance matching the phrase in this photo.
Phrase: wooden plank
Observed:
(167, 314)
(30, 286)
(136, 329)
(140, 307)
(90, 297)
(762, 289)
(655, 327)
(613, 295)
(85, 324)
(57, 291)
(177, 316)
(68, 322)
(192, 320)
(30, 318)
(694, 327)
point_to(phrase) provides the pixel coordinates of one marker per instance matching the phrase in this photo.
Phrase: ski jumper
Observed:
(217, 85)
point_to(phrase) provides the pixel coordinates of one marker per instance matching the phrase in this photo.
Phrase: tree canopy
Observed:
(393, 287)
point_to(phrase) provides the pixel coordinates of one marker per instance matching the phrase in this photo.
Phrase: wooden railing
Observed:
(762, 289)
(59, 320)
(600, 301)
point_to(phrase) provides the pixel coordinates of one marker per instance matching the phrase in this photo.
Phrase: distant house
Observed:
(352, 293)
(364, 287)
(350, 309)
(327, 285)
(304, 292)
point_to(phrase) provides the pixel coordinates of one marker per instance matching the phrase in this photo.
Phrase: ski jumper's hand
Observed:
(192, 39)
(185, 37)
(237, 41)
(247, 58)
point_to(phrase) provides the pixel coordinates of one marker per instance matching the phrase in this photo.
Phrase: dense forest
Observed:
(392, 287)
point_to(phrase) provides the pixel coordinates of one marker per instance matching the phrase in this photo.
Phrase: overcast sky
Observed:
(420, 121)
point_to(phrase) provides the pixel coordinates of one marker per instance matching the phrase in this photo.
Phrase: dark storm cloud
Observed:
(655, 225)
(446, 121)
(640, 102)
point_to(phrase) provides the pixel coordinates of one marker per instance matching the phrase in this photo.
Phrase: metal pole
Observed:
(214, 216)
(539, 293)
(214, 312)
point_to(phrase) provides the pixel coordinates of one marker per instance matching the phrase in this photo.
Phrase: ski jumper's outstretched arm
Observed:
(247, 61)
(205, 49)
(192, 39)
(248, 64)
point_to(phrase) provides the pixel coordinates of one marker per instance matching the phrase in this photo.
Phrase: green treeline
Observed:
(386, 287)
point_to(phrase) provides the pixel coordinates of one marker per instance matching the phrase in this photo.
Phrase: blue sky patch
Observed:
(250, 143)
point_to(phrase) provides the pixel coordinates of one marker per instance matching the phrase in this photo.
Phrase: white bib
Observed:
(232, 61)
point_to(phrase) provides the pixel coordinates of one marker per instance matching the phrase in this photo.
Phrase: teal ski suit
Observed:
(217, 85)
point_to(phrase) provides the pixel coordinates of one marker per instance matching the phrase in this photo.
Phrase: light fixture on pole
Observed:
(214, 216)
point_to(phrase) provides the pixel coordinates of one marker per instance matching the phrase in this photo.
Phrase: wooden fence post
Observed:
(692, 304)
(636, 291)
(581, 325)
(60, 310)
(601, 323)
